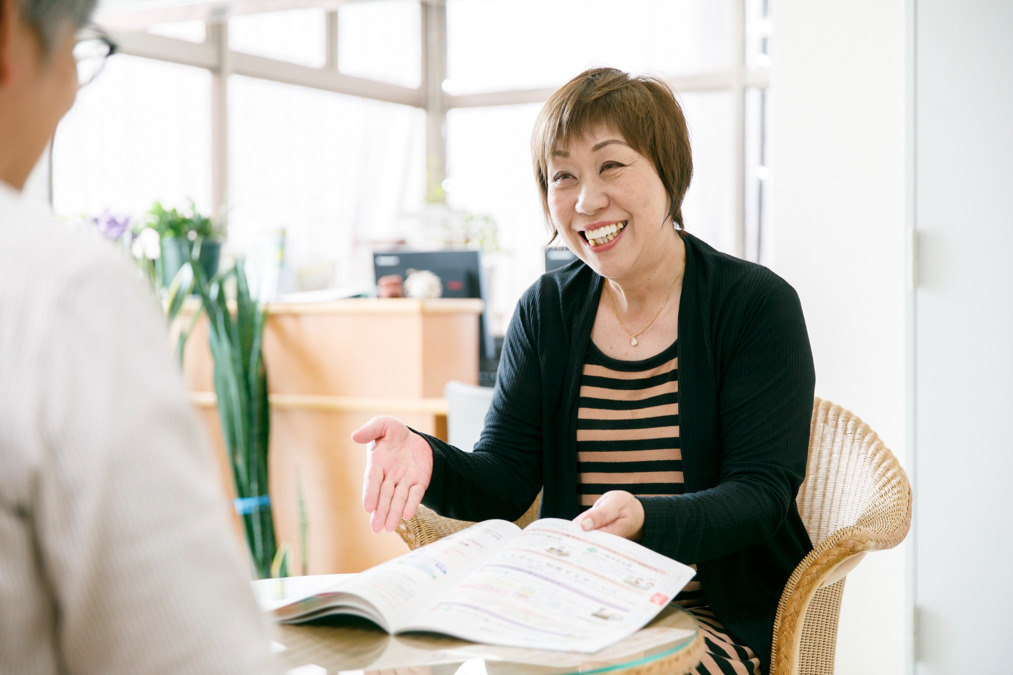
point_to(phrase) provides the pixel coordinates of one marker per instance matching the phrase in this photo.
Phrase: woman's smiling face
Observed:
(608, 203)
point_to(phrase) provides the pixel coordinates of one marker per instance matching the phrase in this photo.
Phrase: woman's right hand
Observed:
(399, 464)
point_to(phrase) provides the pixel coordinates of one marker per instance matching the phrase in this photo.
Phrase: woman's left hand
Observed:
(615, 512)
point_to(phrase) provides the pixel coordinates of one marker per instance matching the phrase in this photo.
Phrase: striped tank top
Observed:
(628, 439)
(628, 432)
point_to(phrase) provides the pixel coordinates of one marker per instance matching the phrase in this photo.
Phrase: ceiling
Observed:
(128, 15)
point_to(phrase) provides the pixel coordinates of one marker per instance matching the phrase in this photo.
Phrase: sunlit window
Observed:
(543, 44)
(708, 210)
(337, 173)
(344, 173)
(296, 36)
(140, 132)
(757, 183)
(381, 41)
(489, 174)
(191, 31)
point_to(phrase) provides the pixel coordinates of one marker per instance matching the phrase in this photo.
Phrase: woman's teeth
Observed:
(604, 234)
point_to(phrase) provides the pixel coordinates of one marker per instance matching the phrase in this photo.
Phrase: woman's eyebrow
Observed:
(609, 141)
(594, 148)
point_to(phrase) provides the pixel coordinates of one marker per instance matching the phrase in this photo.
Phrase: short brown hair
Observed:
(642, 108)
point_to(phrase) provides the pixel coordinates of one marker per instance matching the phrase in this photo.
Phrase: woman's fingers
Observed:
(601, 514)
(415, 495)
(397, 504)
(372, 430)
(383, 506)
(616, 512)
(371, 480)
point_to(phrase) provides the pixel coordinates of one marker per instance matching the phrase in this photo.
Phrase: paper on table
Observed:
(274, 593)
(552, 586)
(557, 587)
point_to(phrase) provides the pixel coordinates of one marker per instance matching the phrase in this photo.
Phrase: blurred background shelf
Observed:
(331, 367)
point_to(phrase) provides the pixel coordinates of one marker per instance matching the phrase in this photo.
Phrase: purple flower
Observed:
(111, 225)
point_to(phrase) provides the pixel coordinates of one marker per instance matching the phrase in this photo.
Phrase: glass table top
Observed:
(349, 645)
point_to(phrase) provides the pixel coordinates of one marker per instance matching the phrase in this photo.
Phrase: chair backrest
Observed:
(467, 405)
(855, 498)
(851, 478)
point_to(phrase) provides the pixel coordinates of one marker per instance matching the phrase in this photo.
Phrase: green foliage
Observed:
(481, 232)
(304, 526)
(279, 567)
(185, 224)
(240, 378)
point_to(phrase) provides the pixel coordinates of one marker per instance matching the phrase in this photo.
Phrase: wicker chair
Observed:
(855, 498)
(427, 526)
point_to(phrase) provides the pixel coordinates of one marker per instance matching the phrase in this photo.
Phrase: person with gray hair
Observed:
(116, 555)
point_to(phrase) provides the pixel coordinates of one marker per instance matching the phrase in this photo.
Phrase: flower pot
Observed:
(175, 252)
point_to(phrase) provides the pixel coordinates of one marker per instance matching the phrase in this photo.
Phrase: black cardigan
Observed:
(746, 383)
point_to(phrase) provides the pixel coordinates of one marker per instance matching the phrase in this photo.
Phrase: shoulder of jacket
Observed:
(561, 286)
(723, 274)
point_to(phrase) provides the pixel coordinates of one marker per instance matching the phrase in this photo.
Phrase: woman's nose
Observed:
(592, 198)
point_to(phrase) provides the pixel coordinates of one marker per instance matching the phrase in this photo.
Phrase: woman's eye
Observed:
(610, 165)
(560, 176)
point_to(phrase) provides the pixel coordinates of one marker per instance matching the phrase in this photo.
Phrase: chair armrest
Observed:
(426, 526)
(825, 565)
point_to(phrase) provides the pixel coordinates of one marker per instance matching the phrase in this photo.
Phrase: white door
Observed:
(963, 578)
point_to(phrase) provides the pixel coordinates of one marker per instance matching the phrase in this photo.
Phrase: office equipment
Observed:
(556, 257)
(462, 275)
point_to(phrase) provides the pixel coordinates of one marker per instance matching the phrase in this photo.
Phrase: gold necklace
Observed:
(633, 336)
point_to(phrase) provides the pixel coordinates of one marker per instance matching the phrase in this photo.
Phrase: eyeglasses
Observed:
(91, 50)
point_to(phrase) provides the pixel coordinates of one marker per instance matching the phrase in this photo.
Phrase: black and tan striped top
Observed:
(628, 431)
(628, 426)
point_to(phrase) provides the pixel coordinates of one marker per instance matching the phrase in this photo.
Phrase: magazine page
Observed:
(558, 587)
(278, 592)
(397, 588)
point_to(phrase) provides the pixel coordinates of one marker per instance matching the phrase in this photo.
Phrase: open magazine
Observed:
(549, 586)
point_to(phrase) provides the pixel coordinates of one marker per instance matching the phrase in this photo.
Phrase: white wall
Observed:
(962, 584)
(838, 213)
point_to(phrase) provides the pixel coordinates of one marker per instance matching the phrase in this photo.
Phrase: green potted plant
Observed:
(183, 233)
(236, 322)
(236, 331)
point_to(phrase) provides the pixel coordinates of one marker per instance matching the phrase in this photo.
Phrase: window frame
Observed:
(215, 55)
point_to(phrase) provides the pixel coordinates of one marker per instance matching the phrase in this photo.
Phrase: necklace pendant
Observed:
(633, 341)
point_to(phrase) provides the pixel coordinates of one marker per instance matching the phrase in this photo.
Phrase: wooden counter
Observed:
(330, 368)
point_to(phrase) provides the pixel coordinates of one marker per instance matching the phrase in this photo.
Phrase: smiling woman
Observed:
(613, 163)
(604, 356)
(608, 204)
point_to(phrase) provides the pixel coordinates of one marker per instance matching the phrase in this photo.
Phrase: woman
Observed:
(664, 385)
